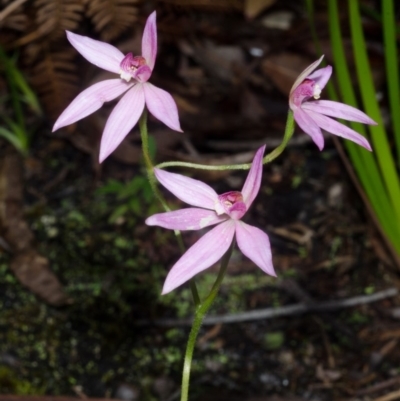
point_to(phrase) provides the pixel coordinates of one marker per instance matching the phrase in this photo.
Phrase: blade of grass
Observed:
(364, 162)
(12, 138)
(392, 68)
(13, 90)
(378, 134)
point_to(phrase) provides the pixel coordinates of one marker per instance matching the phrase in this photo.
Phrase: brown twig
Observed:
(394, 395)
(271, 313)
(379, 386)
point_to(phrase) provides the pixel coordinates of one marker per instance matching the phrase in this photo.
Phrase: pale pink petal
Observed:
(189, 190)
(101, 54)
(321, 76)
(186, 219)
(143, 73)
(90, 100)
(203, 254)
(308, 125)
(122, 119)
(149, 40)
(161, 104)
(339, 110)
(306, 73)
(254, 244)
(338, 129)
(253, 180)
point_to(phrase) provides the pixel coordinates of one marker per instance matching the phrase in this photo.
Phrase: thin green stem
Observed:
(153, 183)
(147, 160)
(201, 311)
(289, 129)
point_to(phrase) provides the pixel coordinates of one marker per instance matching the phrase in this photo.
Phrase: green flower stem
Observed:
(201, 311)
(153, 183)
(147, 160)
(289, 129)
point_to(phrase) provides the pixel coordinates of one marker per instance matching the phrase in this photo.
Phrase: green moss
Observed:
(12, 384)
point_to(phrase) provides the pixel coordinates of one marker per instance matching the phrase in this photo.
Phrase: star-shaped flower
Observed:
(226, 210)
(311, 115)
(134, 73)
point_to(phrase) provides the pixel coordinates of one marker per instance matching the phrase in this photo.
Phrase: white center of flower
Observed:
(316, 91)
(130, 65)
(125, 75)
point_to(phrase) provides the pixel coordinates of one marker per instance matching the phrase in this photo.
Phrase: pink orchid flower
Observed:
(134, 73)
(226, 210)
(311, 115)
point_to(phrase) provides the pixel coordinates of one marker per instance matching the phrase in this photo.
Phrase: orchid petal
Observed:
(203, 254)
(143, 73)
(254, 244)
(90, 100)
(161, 104)
(191, 191)
(185, 219)
(338, 129)
(253, 180)
(306, 73)
(101, 54)
(339, 110)
(149, 40)
(122, 119)
(321, 76)
(309, 126)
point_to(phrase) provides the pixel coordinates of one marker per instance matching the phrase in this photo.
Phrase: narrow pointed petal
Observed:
(308, 125)
(161, 104)
(90, 100)
(191, 191)
(185, 219)
(101, 54)
(339, 129)
(254, 244)
(149, 40)
(321, 76)
(306, 73)
(200, 256)
(339, 110)
(253, 180)
(122, 119)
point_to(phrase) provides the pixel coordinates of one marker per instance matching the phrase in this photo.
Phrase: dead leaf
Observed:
(278, 20)
(327, 375)
(30, 268)
(252, 8)
(33, 272)
(283, 69)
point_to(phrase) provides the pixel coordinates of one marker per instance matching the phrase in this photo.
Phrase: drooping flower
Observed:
(225, 210)
(312, 115)
(134, 73)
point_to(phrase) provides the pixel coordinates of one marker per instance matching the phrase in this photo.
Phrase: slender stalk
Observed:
(201, 311)
(153, 183)
(147, 159)
(289, 129)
